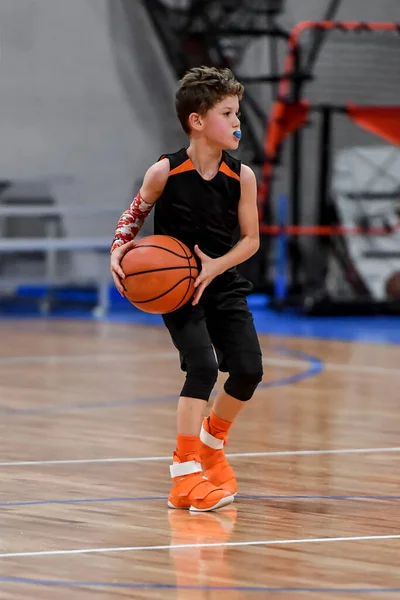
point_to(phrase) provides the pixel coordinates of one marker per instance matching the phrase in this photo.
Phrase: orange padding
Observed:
(381, 120)
(285, 119)
(326, 230)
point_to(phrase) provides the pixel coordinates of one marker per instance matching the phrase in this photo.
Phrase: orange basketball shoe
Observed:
(213, 459)
(193, 491)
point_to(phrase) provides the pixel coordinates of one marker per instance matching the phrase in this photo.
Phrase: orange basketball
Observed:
(160, 272)
(393, 286)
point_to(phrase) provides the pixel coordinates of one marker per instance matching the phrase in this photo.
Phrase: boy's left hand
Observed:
(210, 268)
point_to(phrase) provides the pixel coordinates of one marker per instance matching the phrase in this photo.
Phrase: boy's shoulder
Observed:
(175, 158)
(235, 164)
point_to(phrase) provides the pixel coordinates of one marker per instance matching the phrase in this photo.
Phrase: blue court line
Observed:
(315, 366)
(163, 498)
(211, 588)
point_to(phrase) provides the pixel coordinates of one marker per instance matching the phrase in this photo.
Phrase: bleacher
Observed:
(50, 248)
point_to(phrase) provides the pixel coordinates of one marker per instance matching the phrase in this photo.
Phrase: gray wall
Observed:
(64, 109)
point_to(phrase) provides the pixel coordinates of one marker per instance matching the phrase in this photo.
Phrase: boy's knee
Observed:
(201, 375)
(244, 377)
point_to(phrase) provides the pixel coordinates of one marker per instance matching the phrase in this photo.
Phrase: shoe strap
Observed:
(189, 467)
(210, 440)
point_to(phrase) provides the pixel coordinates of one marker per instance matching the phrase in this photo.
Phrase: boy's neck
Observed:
(206, 160)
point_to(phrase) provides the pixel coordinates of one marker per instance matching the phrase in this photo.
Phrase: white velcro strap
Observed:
(210, 440)
(186, 468)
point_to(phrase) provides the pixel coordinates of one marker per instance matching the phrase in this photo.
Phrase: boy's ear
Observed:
(195, 121)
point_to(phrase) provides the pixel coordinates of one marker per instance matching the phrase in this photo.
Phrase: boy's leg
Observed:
(232, 331)
(191, 490)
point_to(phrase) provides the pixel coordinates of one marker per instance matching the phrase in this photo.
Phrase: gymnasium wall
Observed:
(78, 107)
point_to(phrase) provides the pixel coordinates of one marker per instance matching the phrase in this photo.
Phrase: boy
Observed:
(200, 195)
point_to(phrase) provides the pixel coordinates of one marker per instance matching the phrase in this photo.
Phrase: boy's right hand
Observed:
(115, 267)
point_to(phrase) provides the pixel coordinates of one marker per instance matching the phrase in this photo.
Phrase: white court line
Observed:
(362, 538)
(138, 357)
(82, 461)
(278, 362)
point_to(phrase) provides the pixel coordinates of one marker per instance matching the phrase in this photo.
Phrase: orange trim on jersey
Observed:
(185, 166)
(227, 171)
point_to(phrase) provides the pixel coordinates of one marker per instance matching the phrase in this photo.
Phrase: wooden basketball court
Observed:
(87, 426)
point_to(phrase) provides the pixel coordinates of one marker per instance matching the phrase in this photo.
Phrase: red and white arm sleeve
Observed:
(131, 222)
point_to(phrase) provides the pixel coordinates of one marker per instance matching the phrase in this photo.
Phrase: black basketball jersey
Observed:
(197, 211)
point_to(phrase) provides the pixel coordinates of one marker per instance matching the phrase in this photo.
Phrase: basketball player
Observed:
(201, 194)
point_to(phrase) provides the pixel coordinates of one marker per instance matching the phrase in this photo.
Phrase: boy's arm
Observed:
(249, 236)
(133, 218)
(131, 221)
(248, 222)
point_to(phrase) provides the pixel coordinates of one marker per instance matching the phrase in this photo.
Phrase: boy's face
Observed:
(220, 123)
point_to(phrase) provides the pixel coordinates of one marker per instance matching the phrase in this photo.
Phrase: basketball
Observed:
(160, 272)
(393, 286)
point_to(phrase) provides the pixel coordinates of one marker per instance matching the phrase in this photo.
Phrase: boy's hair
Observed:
(201, 89)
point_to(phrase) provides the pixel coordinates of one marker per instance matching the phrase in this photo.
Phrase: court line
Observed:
(268, 361)
(210, 588)
(59, 358)
(274, 497)
(138, 459)
(361, 538)
(314, 367)
(338, 367)
(59, 408)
